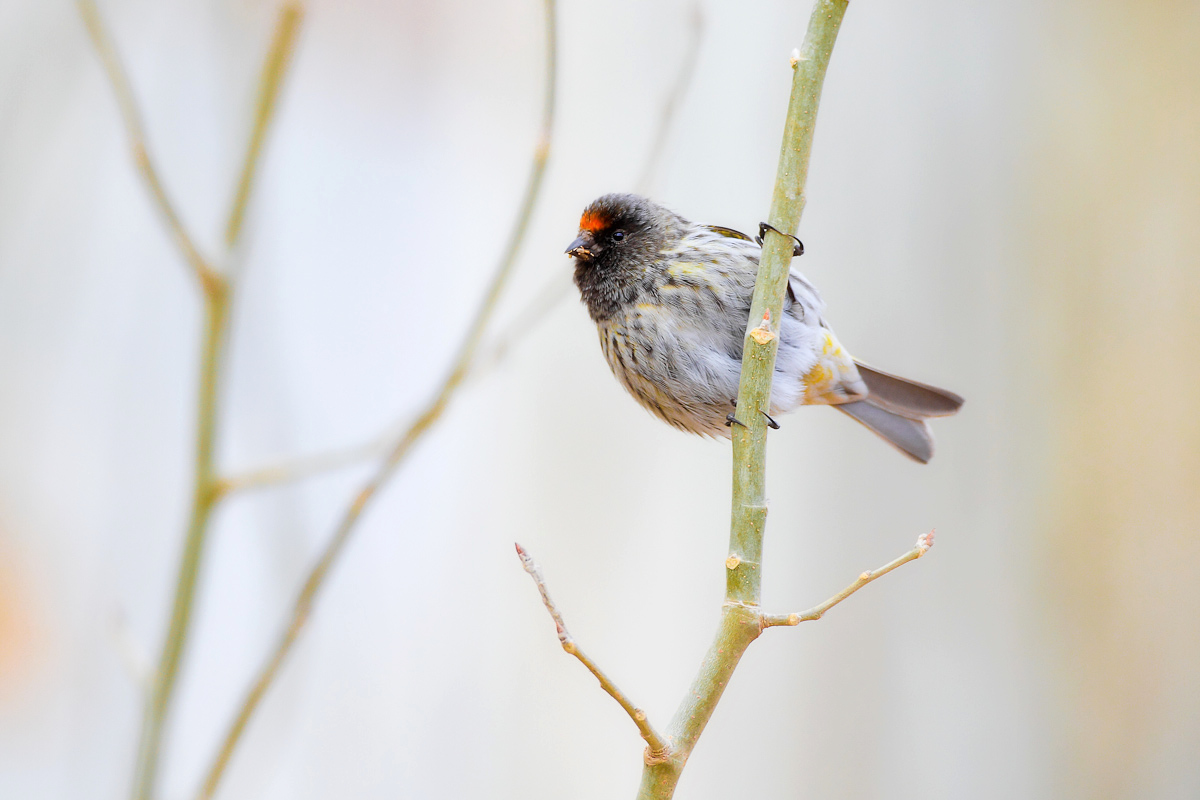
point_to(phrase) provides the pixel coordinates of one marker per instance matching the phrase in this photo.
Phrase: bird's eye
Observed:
(618, 235)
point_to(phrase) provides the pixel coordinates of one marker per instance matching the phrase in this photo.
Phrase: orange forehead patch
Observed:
(594, 221)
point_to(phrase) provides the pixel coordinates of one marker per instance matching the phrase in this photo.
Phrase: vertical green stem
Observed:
(741, 620)
(204, 497)
(758, 358)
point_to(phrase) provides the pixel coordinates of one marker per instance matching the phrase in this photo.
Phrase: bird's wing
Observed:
(806, 302)
(728, 233)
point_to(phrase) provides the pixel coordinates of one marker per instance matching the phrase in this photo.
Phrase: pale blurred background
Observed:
(1004, 200)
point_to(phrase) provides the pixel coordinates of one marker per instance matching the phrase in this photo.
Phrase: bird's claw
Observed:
(730, 419)
(763, 227)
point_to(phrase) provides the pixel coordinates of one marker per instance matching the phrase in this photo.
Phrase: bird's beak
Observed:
(580, 247)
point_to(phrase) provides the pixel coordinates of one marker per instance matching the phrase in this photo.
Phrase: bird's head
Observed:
(617, 227)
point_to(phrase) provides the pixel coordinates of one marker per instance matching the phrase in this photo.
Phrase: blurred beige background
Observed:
(1004, 200)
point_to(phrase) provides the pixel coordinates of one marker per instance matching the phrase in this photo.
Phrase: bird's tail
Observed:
(896, 409)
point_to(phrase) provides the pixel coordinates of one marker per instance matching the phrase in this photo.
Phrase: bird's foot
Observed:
(731, 420)
(763, 227)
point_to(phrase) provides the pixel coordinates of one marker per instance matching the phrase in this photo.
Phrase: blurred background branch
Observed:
(126, 102)
(558, 287)
(531, 315)
(217, 295)
(313, 583)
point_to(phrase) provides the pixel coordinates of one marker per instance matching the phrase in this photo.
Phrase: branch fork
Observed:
(742, 621)
(216, 286)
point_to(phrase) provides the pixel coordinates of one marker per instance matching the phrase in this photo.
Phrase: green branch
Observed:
(741, 620)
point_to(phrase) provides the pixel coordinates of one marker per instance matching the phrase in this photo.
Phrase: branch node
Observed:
(763, 334)
(651, 756)
(795, 59)
(733, 561)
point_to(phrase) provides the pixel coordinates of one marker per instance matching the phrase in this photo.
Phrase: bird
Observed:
(671, 299)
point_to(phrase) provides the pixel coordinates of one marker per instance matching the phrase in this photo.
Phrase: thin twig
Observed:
(208, 277)
(298, 469)
(679, 90)
(924, 542)
(217, 294)
(543, 302)
(558, 286)
(302, 606)
(657, 749)
(279, 56)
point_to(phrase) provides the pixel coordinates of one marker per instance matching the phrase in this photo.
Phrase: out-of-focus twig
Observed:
(656, 746)
(924, 542)
(209, 278)
(679, 90)
(279, 57)
(303, 604)
(526, 320)
(297, 469)
(558, 286)
(204, 499)
(217, 294)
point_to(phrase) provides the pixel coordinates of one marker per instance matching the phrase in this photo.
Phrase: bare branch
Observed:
(210, 279)
(279, 56)
(302, 606)
(217, 292)
(302, 467)
(526, 320)
(657, 749)
(679, 90)
(924, 542)
(558, 286)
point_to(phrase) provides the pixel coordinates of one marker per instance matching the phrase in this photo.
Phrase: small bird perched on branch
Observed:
(671, 299)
